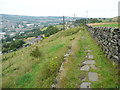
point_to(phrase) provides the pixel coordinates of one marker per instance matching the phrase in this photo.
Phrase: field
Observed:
(28, 38)
(37, 66)
(114, 24)
(43, 29)
(58, 26)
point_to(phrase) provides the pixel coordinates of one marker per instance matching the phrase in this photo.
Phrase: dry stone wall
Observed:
(109, 39)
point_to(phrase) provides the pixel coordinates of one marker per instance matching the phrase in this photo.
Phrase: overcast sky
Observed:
(95, 8)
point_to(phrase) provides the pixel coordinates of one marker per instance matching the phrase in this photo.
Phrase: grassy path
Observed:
(73, 76)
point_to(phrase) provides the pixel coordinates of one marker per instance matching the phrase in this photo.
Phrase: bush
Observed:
(36, 53)
(50, 30)
(13, 45)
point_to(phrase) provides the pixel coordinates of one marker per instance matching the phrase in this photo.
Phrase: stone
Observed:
(83, 37)
(84, 79)
(108, 39)
(65, 59)
(86, 56)
(53, 86)
(109, 55)
(85, 68)
(85, 85)
(119, 42)
(89, 50)
(116, 57)
(61, 68)
(56, 81)
(66, 55)
(90, 56)
(93, 66)
(93, 76)
(70, 51)
(88, 53)
(115, 36)
(89, 62)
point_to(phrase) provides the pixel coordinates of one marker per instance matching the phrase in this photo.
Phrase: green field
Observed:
(107, 25)
(58, 26)
(43, 29)
(37, 66)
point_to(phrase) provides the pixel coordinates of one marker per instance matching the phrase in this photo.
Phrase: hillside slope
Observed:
(29, 67)
(39, 65)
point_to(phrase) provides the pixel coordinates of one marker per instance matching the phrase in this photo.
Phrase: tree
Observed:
(36, 52)
(12, 45)
(51, 30)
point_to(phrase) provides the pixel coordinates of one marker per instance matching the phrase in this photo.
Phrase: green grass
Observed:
(59, 26)
(21, 70)
(26, 78)
(55, 48)
(44, 29)
(108, 25)
(108, 77)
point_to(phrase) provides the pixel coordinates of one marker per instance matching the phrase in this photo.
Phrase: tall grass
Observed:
(23, 70)
(28, 68)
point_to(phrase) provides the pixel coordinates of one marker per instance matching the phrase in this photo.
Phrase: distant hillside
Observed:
(115, 19)
(51, 19)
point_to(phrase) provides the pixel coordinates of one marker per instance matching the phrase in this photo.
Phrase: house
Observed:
(40, 37)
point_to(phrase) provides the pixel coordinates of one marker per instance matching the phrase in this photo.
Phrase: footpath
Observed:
(87, 65)
(90, 67)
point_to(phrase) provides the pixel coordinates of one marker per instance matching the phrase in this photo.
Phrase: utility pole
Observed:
(63, 22)
(86, 17)
(74, 19)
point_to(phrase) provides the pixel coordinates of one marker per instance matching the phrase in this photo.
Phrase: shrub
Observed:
(50, 30)
(36, 52)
